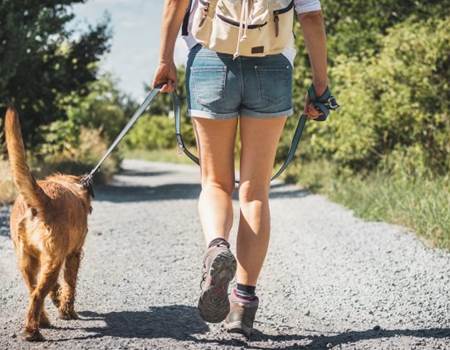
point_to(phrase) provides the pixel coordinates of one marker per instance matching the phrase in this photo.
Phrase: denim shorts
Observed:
(219, 87)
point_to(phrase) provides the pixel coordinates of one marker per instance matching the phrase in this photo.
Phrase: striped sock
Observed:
(246, 292)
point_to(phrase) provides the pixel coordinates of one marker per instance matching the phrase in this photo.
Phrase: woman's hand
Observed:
(166, 77)
(309, 110)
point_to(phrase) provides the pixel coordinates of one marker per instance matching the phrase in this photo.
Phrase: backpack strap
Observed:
(185, 26)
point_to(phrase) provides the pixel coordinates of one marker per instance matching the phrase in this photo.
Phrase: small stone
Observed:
(307, 313)
(13, 335)
(377, 328)
(329, 345)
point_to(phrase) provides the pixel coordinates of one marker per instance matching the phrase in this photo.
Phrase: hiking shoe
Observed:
(242, 314)
(219, 268)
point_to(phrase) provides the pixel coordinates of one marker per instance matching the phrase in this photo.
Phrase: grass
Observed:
(78, 161)
(420, 204)
(161, 155)
(7, 190)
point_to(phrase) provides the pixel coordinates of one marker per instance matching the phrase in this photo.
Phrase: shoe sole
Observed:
(239, 328)
(213, 304)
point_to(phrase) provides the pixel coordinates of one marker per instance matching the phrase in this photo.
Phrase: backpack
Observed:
(243, 27)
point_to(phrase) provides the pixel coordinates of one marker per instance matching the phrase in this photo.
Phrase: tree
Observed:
(40, 59)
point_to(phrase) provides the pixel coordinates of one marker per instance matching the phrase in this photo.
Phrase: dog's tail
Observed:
(33, 195)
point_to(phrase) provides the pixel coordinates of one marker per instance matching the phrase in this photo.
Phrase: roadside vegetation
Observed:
(69, 112)
(385, 154)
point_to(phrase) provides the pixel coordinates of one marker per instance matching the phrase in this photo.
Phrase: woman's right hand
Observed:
(166, 76)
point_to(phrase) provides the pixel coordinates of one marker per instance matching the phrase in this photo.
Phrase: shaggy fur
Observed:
(48, 228)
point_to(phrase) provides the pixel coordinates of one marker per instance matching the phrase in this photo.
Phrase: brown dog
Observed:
(48, 228)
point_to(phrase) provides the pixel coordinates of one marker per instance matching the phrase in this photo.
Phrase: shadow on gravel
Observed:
(316, 342)
(175, 321)
(290, 194)
(123, 194)
(133, 172)
(4, 221)
(119, 193)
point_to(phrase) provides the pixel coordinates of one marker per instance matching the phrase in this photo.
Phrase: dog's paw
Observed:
(68, 315)
(33, 336)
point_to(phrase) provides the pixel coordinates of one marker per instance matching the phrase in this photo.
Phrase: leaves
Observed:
(40, 59)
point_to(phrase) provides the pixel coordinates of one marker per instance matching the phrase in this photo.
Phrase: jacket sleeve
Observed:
(302, 6)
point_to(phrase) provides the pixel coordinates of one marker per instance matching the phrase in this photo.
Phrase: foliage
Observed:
(104, 107)
(152, 132)
(395, 104)
(76, 144)
(7, 189)
(79, 158)
(355, 26)
(155, 130)
(40, 59)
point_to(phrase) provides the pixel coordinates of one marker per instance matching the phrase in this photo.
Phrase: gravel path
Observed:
(330, 280)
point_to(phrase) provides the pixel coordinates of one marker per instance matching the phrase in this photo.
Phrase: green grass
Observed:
(7, 190)
(160, 155)
(420, 204)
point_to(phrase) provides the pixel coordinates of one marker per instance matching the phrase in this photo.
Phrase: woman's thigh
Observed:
(215, 145)
(259, 141)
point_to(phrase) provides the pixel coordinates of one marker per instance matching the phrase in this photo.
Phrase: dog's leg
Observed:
(67, 298)
(55, 294)
(29, 266)
(47, 278)
(44, 322)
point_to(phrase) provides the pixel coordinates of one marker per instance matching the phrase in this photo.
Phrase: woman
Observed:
(223, 88)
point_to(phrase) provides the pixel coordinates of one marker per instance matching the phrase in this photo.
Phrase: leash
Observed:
(324, 104)
(290, 156)
(88, 180)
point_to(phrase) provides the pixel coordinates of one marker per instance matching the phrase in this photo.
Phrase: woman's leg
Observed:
(215, 144)
(259, 139)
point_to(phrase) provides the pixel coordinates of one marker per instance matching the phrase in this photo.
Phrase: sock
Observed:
(218, 241)
(244, 291)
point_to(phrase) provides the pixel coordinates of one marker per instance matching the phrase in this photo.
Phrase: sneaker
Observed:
(219, 268)
(242, 315)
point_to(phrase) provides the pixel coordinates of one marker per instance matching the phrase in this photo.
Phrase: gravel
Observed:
(331, 281)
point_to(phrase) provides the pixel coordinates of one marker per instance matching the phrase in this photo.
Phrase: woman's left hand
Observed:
(309, 109)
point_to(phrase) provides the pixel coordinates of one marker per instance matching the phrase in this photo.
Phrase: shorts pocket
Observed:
(274, 83)
(208, 83)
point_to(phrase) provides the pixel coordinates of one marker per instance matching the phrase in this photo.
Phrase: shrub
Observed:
(395, 105)
(77, 158)
(7, 190)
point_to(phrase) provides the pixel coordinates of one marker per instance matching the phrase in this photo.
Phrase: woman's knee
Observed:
(250, 191)
(210, 185)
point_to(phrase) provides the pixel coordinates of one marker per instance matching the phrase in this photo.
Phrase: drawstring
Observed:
(243, 25)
